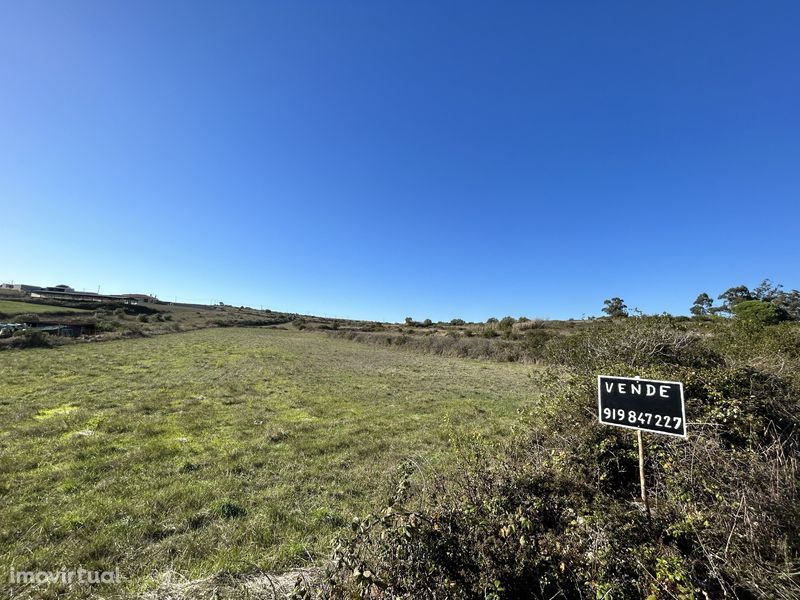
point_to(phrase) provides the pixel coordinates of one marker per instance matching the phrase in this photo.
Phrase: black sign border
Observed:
(685, 433)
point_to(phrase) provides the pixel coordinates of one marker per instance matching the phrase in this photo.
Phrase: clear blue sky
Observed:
(384, 159)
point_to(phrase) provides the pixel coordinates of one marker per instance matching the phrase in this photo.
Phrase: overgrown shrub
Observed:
(445, 345)
(554, 512)
(773, 348)
(762, 313)
(30, 318)
(534, 343)
(632, 344)
(29, 339)
(506, 323)
(102, 325)
(526, 325)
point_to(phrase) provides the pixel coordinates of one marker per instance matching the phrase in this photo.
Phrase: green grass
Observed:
(10, 307)
(223, 450)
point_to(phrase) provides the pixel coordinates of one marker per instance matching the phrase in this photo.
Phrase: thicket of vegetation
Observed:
(505, 340)
(554, 512)
(770, 297)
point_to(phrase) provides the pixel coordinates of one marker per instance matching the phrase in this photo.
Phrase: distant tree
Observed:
(760, 312)
(409, 321)
(523, 320)
(790, 302)
(491, 320)
(615, 307)
(427, 323)
(733, 296)
(767, 291)
(702, 305)
(507, 322)
(457, 322)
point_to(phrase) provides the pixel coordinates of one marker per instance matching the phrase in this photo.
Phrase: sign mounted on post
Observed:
(642, 404)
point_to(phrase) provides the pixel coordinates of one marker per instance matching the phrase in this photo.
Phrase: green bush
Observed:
(630, 345)
(30, 318)
(759, 312)
(534, 342)
(506, 323)
(30, 339)
(105, 325)
(771, 348)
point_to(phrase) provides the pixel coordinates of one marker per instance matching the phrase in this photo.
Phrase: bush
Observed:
(506, 323)
(29, 339)
(630, 345)
(527, 325)
(534, 342)
(761, 313)
(29, 318)
(771, 348)
(446, 345)
(105, 325)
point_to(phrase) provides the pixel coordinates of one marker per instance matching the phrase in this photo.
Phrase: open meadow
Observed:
(221, 450)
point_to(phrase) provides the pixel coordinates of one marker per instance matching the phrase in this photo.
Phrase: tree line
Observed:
(767, 302)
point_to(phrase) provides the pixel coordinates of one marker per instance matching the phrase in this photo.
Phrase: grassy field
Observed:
(224, 450)
(10, 307)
